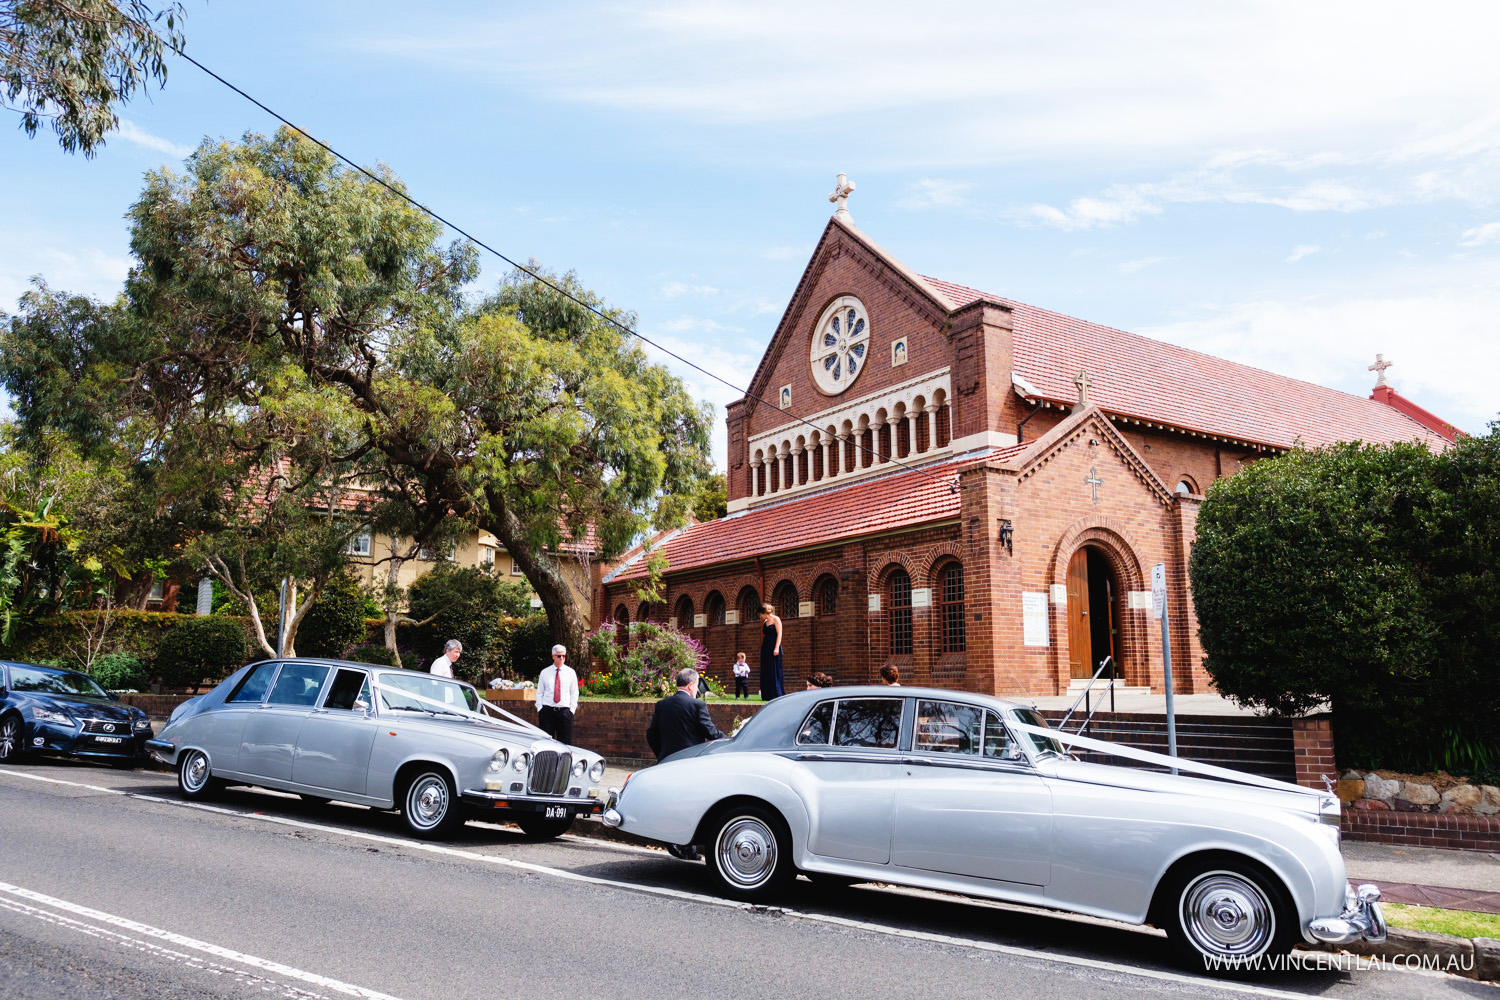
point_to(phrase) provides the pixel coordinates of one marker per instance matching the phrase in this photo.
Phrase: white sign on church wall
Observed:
(921, 597)
(731, 618)
(1059, 594)
(874, 604)
(699, 621)
(1034, 619)
(804, 609)
(1140, 600)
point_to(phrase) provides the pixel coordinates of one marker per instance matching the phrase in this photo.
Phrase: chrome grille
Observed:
(106, 727)
(550, 771)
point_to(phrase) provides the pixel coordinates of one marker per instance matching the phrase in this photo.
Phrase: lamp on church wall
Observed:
(1006, 531)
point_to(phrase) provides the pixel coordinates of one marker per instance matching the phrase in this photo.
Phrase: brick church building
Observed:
(973, 489)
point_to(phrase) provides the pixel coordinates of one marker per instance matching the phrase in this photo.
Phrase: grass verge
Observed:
(1459, 923)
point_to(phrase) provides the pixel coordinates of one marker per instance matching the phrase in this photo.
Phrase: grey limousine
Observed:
(381, 737)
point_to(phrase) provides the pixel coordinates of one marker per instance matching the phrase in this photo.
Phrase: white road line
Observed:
(180, 940)
(1217, 985)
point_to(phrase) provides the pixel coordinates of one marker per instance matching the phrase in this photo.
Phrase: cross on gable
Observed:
(1379, 367)
(842, 188)
(1094, 482)
(1083, 382)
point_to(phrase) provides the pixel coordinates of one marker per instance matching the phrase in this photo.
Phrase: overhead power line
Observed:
(533, 274)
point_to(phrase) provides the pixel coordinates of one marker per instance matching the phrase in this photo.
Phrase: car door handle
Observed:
(811, 756)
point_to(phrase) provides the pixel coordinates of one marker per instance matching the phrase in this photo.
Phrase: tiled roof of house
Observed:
(1135, 376)
(898, 500)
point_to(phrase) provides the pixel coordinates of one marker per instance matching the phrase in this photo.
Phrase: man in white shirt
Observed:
(557, 697)
(443, 665)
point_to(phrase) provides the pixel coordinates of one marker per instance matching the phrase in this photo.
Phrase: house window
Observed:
(158, 591)
(515, 568)
(715, 607)
(786, 601)
(828, 597)
(899, 592)
(951, 607)
(359, 545)
(486, 558)
(749, 604)
(684, 612)
(431, 555)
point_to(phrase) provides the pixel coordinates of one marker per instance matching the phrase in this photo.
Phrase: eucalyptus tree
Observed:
(284, 309)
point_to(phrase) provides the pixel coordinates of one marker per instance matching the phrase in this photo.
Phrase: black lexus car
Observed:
(44, 710)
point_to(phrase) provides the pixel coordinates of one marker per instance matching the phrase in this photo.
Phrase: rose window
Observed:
(841, 344)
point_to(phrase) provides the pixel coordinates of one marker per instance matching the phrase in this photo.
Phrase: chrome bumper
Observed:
(161, 750)
(1361, 919)
(611, 816)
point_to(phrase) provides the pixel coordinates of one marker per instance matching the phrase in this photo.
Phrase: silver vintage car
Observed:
(971, 794)
(381, 737)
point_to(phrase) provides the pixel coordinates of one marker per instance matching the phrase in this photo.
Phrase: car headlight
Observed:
(142, 724)
(47, 715)
(500, 759)
(597, 771)
(579, 766)
(522, 761)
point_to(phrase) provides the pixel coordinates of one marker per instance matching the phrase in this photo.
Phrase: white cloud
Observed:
(1480, 235)
(725, 357)
(1132, 266)
(1302, 250)
(677, 289)
(696, 324)
(932, 192)
(131, 132)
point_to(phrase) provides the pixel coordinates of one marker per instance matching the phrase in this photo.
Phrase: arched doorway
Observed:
(1093, 620)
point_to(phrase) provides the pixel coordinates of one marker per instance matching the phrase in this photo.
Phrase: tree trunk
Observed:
(544, 571)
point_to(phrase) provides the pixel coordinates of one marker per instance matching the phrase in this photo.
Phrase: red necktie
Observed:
(557, 684)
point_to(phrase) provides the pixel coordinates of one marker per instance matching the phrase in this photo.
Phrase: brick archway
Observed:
(1113, 544)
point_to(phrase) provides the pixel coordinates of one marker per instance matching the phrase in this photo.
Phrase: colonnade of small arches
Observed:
(898, 431)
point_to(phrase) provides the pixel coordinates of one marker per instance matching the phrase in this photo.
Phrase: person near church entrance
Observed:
(771, 683)
(557, 697)
(890, 675)
(741, 676)
(443, 665)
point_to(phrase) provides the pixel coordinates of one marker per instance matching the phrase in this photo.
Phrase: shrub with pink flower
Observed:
(644, 664)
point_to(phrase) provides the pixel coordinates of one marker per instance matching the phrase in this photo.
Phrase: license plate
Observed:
(555, 812)
(109, 739)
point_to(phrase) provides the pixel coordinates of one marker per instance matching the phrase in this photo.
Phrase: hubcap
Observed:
(195, 773)
(9, 732)
(1228, 915)
(747, 852)
(428, 801)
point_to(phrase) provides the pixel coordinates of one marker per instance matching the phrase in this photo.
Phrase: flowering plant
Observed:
(641, 658)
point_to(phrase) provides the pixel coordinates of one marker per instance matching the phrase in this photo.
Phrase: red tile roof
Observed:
(893, 501)
(1135, 376)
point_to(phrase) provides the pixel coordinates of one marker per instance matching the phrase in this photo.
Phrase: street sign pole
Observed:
(1159, 609)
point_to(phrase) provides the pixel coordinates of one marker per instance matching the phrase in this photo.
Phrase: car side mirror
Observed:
(112, 696)
(361, 706)
(1014, 752)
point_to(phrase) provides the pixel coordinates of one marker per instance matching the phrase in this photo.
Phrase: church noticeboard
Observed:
(1034, 619)
(699, 621)
(804, 609)
(921, 597)
(731, 618)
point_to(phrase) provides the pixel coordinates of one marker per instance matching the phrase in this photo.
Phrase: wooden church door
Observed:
(1080, 642)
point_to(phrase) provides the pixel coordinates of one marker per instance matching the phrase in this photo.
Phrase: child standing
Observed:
(741, 677)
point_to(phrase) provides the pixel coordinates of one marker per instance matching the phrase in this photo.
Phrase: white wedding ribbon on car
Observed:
(461, 710)
(1160, 759)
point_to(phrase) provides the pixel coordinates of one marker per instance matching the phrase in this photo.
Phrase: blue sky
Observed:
(1294, 186)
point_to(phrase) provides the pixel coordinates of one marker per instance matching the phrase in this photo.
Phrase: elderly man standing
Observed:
(681, 721)
(443, 665)
(557, 697)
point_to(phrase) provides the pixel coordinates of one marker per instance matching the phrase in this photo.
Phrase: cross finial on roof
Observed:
(1083, 382)
(1379, 367)
(841, 191)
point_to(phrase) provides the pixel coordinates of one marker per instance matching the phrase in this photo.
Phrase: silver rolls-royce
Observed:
(971, 794)
(381, 737)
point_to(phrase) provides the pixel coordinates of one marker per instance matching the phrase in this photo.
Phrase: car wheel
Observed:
(12, 739)
(195, 778)
(538, 828)
(430, 805)
(749, 855)
(1224, 917)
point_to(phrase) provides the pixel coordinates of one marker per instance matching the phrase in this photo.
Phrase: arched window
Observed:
(786, 601)
(622, 620)
(622, 615)
(1186, 485)
(951, 607)
(684, 612)
(898, 593)
(826, 601)
(749, 605)
(647, 612)
(714, 608)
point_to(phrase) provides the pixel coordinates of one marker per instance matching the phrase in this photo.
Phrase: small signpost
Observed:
(1159, 611)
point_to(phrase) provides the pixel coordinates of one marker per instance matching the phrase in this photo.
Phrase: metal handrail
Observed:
(1083, 696)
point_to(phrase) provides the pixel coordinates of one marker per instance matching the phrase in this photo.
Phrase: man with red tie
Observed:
(557, 697)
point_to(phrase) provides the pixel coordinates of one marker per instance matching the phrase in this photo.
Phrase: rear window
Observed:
(853, 722)
(255, 684)
(298, 684)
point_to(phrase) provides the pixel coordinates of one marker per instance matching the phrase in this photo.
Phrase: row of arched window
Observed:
(947, 599)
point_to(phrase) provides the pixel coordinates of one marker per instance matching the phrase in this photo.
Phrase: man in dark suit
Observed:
(681, 720)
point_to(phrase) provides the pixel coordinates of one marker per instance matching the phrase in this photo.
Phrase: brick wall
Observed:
(1414, 829)
(617, 729)
(1312, 748)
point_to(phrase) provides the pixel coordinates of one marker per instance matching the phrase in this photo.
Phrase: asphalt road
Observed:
(111, 887)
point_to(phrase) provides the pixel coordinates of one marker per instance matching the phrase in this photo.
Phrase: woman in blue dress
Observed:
(771, 685)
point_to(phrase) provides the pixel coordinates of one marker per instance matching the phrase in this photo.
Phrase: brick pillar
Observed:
(1312, 750)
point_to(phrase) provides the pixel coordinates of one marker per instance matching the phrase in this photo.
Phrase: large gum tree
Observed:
(282, 306)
